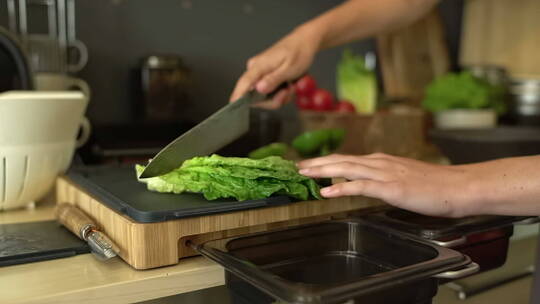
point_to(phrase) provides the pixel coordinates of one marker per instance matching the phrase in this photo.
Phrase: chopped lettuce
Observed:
(240, 178)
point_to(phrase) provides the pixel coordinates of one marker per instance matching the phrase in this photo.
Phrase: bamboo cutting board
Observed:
(150, 245)
(502, 32)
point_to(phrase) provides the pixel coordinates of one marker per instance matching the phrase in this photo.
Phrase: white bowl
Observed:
(38, 135)
(466, 119)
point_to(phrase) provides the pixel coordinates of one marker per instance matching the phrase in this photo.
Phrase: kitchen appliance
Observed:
(164, 84)
(85, 228)
(34, 152)
(151, 229)
(468, 146)
(346, 261)
(15, 72)
(37, 241)
(525, 102)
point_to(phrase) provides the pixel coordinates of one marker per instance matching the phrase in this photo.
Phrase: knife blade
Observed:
(215, 132)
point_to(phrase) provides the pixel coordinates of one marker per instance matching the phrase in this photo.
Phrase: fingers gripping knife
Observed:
(82, 226)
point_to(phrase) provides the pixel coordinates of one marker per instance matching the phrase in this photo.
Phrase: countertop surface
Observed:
(84, 279)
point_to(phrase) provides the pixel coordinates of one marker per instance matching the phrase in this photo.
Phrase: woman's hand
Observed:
(509, 186)
(351, 20)
(409, 184)
(285, 60)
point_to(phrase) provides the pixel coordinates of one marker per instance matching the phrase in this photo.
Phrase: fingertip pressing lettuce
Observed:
(235, 177)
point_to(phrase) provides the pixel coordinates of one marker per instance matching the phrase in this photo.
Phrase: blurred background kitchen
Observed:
(200, 48)
(153, 69)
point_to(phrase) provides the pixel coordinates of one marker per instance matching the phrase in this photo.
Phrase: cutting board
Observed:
(411, 57)
(502, 32)
(37, 241)
(119, 189)
(108, 194)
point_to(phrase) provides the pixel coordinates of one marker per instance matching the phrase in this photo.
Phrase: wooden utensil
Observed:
(412, 57)
(501, 32)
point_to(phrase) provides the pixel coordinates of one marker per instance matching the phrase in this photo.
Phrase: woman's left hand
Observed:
(409, 184)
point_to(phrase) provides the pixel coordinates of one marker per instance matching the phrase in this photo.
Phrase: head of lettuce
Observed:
(235, 177)
(463, 91)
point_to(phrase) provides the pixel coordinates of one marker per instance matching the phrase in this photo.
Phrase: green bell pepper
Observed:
(318, 142)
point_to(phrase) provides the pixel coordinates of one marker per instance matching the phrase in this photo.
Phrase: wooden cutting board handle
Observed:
(73, 218)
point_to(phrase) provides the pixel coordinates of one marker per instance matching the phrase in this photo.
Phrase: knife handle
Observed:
(73, 219)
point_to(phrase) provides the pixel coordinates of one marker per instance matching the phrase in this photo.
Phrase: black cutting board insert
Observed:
(37, 241)
(118, 188)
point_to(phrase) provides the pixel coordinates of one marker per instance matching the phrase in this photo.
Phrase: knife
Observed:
(215, 132)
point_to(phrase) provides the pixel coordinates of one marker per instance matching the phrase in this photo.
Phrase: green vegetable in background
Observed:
(356, 83)
(318, 142)
(463, 91)
(241, 178)
(336, 138)
(274, 149)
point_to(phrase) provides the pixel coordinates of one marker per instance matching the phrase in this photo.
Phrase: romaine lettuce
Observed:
(240, 178)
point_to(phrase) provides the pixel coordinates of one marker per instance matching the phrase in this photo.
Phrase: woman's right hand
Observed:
(285, 60)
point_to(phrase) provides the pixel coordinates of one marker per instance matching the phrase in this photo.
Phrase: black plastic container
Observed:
(484, 239)
(331, 262)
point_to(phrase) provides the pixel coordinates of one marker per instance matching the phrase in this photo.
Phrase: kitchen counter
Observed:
(84, 279)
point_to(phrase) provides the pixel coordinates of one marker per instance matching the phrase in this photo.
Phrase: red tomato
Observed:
(322, 100)
(304, 102)
(305, 86)
(345, 107)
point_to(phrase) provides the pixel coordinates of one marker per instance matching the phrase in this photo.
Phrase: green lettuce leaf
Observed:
(234, 177)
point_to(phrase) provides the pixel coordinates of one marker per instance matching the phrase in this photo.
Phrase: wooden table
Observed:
(83, 279)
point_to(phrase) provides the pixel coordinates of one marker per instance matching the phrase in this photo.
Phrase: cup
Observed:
(60, 82)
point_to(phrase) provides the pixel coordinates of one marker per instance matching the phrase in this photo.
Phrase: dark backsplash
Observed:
(215, 38)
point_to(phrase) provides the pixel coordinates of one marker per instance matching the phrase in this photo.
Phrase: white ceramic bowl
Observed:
(466, 119)
(38, 135)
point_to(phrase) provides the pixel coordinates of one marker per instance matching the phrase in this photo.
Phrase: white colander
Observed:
(38, 133)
